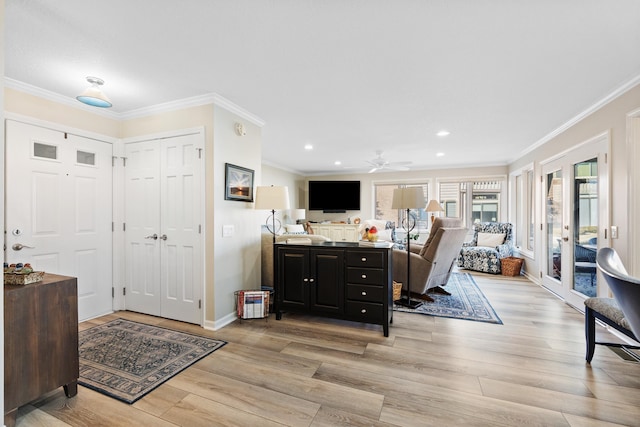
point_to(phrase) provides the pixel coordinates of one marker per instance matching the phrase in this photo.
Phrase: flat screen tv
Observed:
(334, 196)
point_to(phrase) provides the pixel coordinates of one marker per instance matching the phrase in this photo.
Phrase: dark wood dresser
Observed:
(343, 280)
(40, 341)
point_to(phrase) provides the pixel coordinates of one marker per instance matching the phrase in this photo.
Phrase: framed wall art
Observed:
(238, 183)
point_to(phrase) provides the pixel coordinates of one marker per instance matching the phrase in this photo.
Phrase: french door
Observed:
(59, 209)
(576, 218)
(163, 236)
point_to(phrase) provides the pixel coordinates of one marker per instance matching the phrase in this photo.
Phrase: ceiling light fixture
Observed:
(308, 147)
(93, 95)
(337, 163)
(443, 133)
(439, 154)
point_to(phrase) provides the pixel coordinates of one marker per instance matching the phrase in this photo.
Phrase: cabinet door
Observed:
(326, 284)
(337, 233)
(351, 233)
(293, 278)
(323, 230)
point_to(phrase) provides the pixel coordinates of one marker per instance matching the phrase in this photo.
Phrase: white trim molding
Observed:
(633, 190)
(180, 104)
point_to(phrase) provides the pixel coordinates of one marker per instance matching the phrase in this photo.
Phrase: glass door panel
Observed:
(555, 223)
(585, 227)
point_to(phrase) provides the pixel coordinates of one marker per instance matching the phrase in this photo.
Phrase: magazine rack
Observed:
(251, 304)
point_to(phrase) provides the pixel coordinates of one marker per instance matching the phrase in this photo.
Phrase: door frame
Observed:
(601, 144)
(119, 211)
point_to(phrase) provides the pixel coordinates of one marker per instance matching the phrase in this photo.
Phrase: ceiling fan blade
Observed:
(374, 169)
(398, 168)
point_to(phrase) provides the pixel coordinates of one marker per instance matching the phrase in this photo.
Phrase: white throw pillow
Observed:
(384, 234)
(294, 229)
(490, 239)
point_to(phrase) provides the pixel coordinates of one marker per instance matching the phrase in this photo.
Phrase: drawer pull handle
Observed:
(364, 293)
(363, 311)
(364, 259)
(305, 279)
(312, 280)
(364, 276)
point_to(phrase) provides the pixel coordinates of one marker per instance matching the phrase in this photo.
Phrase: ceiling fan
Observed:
(380, 163)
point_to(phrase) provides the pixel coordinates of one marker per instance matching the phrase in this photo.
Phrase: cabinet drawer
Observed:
(368, 312)
(369, 276)
(365, 293)
(365, 259)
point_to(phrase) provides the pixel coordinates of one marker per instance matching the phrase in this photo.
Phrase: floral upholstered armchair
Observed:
(491, 242)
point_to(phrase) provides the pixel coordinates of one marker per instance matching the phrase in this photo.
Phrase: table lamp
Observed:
(433, 206)
(272, 198)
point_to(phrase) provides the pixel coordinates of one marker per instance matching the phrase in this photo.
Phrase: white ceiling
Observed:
(351, 76)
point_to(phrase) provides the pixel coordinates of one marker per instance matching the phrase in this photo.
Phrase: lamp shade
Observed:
(407, 198)
(297, 214)
(272, 198)
(93, 95)
(433, 206)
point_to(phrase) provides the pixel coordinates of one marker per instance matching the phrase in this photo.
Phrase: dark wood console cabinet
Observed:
(40, 341)
(332, 279)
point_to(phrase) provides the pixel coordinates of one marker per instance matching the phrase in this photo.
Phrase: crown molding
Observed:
(223, 102)
(56, 97)
(620, 90)
(195, 101)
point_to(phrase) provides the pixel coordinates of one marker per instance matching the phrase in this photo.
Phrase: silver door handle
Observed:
(163, 237)
(153, 236)
(20, 246)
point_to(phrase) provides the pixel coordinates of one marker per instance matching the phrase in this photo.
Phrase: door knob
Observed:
(20, 246)
(153, 236)
(566, 239)
(163, 237)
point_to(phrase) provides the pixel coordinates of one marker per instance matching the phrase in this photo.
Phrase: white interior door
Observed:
(58, 206)
(163, 227)
(142, 219)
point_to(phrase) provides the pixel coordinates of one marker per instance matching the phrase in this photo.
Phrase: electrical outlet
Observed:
(614, 232)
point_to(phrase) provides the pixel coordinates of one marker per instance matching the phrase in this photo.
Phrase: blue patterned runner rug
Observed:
(465, 302)
(126, 360)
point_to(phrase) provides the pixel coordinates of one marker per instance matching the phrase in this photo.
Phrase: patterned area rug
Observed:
(126, 360)
(465, 302)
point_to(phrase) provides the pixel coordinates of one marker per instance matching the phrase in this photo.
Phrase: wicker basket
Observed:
(23, 279)
(511, 266)
(397, 290)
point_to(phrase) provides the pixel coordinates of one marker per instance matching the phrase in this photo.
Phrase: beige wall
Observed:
(43, 109)
(369, 180)
(231, 263)
(236, 259)
(611, 118)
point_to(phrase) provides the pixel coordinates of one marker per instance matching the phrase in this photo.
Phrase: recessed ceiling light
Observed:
(443, 133)
(439, 154)
(337, 163)
(308, 147)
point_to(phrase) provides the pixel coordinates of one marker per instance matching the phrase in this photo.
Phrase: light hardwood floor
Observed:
(430, 371)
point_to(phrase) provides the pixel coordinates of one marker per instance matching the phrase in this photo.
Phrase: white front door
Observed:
(58, 207)
(163, 227)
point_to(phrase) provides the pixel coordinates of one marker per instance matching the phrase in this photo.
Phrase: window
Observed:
(85, 158)
(45, 151)
(383, 210)
(523, 208)
(482, 204)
